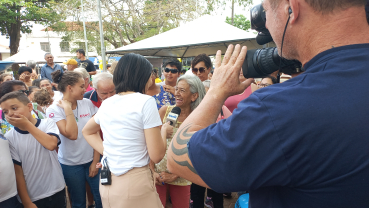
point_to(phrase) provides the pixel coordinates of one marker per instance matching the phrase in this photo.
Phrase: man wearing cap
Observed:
(71, 64)
(49, 67)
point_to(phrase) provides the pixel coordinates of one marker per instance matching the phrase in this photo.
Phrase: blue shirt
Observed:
(164, 98)
(301, 143)
(46, 71)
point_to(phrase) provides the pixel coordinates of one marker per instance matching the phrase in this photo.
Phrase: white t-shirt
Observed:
(57, 96)
(74, 152)
(8, 187)
(41, 168)
(122, 120)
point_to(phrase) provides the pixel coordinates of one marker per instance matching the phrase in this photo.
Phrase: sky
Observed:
(219, 14)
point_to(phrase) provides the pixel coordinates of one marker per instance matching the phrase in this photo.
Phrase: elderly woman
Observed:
(86, 77)
(189, 92)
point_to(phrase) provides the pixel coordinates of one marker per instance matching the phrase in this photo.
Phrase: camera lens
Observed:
(261, 62)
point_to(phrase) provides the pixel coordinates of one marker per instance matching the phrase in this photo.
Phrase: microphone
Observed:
(263, 38)
(173, 116)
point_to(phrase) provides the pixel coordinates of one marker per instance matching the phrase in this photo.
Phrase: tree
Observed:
(126, 21)
(18, 15)
(240, 21)
(212, 4)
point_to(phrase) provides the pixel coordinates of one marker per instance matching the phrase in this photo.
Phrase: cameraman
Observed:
(301, 143)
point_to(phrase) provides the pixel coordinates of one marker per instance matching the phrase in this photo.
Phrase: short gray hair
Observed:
(31, 63)
(101, 77)
(83, 71)
(196, 86)
(48, 53)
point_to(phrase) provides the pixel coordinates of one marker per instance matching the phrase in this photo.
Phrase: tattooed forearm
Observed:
(182, 138)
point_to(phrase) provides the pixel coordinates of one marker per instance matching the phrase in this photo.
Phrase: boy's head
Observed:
(16, 102)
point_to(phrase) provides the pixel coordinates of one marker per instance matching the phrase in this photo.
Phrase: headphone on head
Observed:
(290, 10)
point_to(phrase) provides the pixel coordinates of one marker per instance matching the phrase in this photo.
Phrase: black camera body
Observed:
(261, 62)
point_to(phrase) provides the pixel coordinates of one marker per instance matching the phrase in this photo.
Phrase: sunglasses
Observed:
(24, 91)
(173, 71)
(201, 69)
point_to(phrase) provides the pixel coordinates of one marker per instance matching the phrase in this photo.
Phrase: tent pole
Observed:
(184, 52)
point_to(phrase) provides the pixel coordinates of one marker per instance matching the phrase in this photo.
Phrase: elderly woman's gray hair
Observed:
(101, 77)
(83, 71)
(31, 63)
(196, 86)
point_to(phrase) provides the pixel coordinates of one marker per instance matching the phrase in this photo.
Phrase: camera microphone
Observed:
(173, 116)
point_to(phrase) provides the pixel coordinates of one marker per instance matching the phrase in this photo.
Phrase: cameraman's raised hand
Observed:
(225, 81)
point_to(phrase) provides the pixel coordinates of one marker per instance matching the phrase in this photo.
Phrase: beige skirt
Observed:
(133, 189)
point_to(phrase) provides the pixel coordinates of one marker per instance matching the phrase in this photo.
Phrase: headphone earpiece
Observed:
(290, 10)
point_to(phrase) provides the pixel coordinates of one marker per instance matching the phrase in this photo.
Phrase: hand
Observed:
(19, 121)
(22, 77)
(98, 165)
(31, 205)
(225, 81)
(169, 88)
(54, 85)
(93, 171)
(167, 129)
(64, 104)
(168, 177)
(158, 180)
(33, 76)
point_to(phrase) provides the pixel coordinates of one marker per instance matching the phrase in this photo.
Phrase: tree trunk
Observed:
(14, 34)
(232, 12)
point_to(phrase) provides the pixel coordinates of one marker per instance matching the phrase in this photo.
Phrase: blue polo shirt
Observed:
(46, 71)
(301, 143)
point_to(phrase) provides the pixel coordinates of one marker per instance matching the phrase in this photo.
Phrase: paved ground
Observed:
(228, 202)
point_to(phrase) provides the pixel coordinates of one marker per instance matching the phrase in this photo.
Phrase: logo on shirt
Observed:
(51, 115)
(84, 115)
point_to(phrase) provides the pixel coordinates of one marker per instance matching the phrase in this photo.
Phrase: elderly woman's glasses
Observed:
(201, 69)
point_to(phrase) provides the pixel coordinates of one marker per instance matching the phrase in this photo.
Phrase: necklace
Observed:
(77, 114)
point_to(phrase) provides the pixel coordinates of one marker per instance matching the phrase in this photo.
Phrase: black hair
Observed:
(132, 73)
(63, 79)
(7, 87)
(202, 57)
(24, 69)
(17, 95)
(174, 62)
(81, 51)
(274, 80)
(32, 88)
(37, 82)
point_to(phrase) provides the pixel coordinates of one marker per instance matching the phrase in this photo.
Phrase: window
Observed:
(81, 45)
(45, 46)
(64, 47)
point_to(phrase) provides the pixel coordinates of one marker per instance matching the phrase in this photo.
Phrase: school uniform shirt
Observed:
(41, 168)
(123, 120)
(74, 152)
(57, 96)
(8, 186)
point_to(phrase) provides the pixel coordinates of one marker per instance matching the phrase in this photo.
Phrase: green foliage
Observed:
(239, 21)
(17, 16)
(211, 5)
(124, 22)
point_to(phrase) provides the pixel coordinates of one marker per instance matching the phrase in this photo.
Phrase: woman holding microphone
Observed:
(131, 124)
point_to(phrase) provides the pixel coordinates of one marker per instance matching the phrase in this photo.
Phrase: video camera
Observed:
(261, 62)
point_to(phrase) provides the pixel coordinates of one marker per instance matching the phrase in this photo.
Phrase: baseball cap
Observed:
(71, 62)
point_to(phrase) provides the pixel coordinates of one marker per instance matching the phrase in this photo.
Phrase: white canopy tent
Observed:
(203, 35)
(30, 53)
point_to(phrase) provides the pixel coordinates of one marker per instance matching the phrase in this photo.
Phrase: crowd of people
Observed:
(78, 125)
(114, 140)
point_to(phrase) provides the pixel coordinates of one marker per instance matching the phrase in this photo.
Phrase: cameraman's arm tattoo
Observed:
(182, 138)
